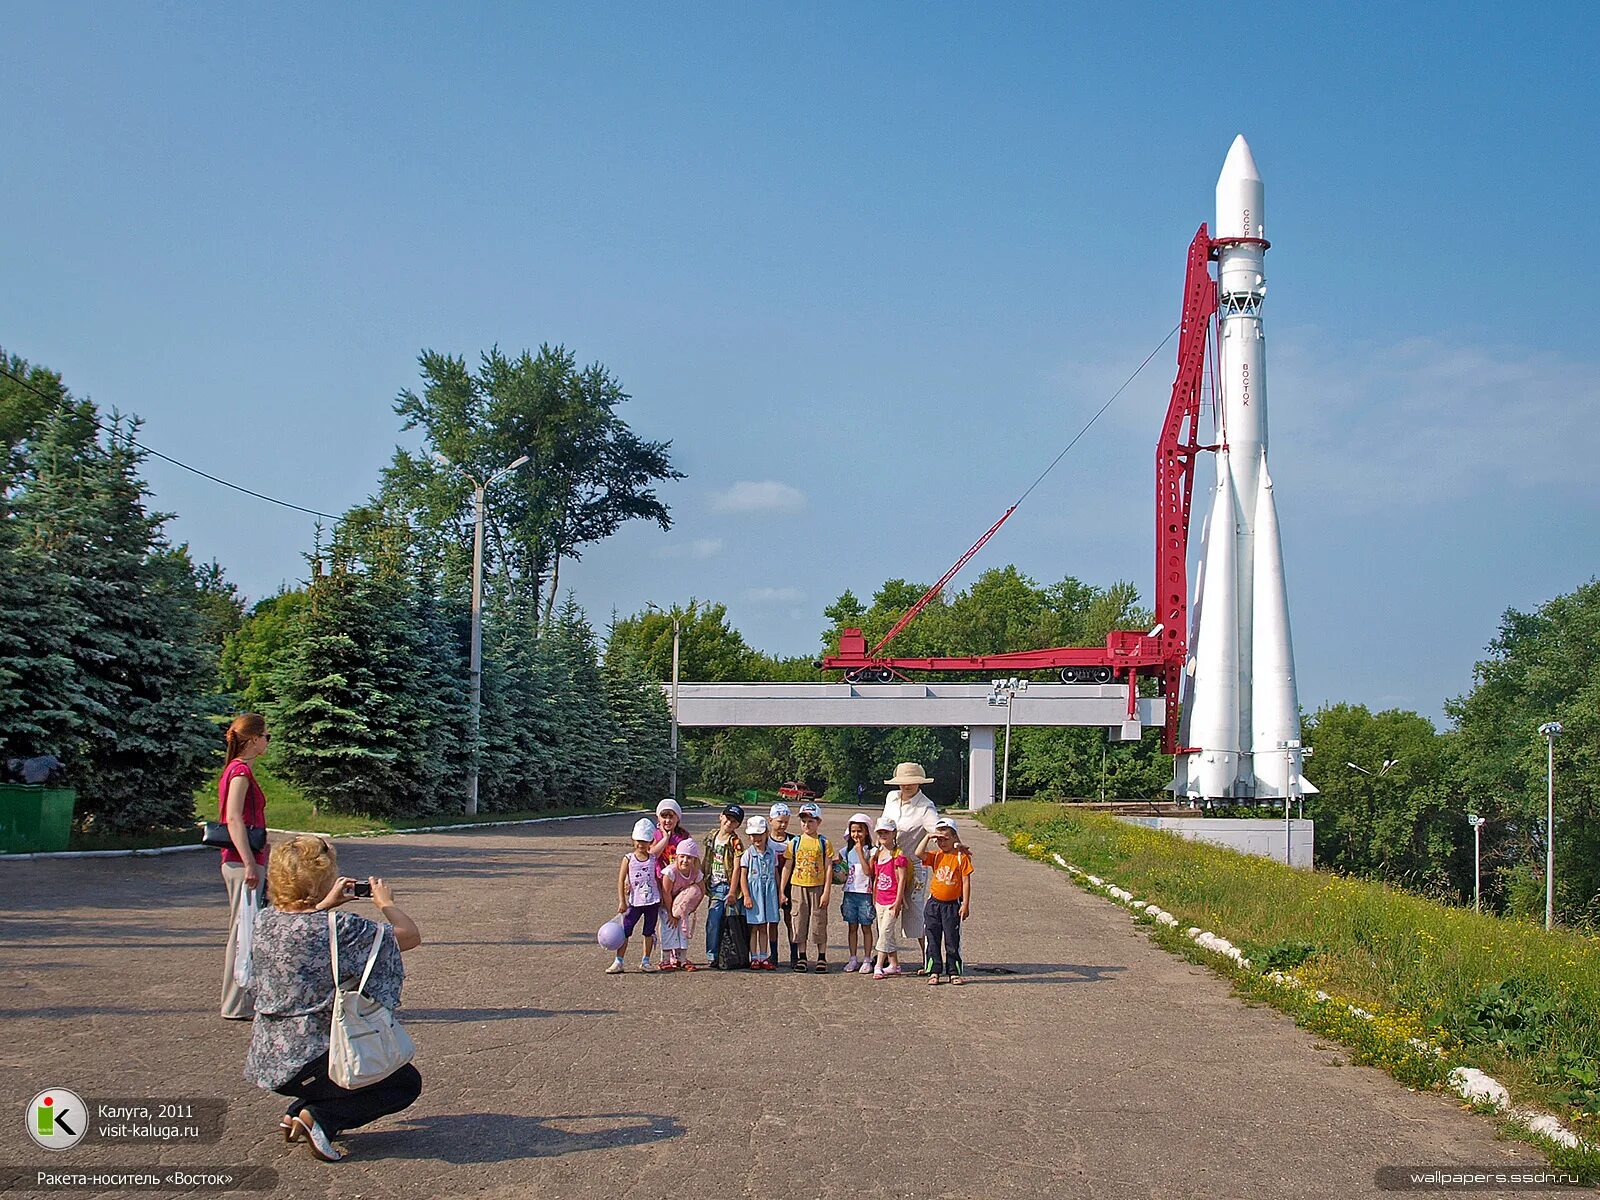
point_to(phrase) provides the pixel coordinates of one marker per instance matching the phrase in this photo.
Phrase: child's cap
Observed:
(690, 847)
(944, 823)
(884, 823)
(644, 830)
(756, 824)
(780, 809)
(734, 813)
(669, 805)
(859, 819)
(809, 809)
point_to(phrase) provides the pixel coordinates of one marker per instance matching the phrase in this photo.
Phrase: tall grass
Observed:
(1504, 996)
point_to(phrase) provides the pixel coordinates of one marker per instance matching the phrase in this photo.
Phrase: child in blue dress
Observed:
(757, 886)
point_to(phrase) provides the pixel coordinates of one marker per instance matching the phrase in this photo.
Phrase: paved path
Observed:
(1100, 1065)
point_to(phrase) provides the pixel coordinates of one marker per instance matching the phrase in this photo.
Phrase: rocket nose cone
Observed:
(1240, 163)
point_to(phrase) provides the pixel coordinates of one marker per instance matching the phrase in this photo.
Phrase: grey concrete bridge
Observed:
(937, 705)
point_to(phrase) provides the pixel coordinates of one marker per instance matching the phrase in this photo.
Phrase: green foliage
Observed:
(1542, 666)
(1281, 956)
(588, 474)
(251, 653)
(105, 660)
(641, 754)
(1508, 1014)
(710, 650)
(1405, 824)
(1574, 1081)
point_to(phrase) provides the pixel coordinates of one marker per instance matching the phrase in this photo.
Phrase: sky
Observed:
(867, 267)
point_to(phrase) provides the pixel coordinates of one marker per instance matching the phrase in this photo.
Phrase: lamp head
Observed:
(1550, 729)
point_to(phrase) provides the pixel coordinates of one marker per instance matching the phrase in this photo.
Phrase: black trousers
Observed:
(942, 923)
(337, 1109)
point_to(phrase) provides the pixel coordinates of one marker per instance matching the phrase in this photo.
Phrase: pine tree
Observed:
(129, 715)
(584, 764)
(332, 742)
(642, 743)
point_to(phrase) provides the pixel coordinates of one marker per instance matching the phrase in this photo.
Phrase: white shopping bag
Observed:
(244, 937)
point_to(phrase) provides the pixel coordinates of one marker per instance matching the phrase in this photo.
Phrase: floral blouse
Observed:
(293, 987)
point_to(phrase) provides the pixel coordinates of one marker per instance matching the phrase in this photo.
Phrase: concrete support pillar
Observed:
(980, 767)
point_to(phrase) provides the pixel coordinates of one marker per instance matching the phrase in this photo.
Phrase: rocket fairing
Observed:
(1241, 713)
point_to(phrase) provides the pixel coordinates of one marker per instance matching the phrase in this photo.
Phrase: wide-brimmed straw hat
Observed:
(908, 773)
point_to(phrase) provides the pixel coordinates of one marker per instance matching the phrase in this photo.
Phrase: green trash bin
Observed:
(752, 795)
(35, 819)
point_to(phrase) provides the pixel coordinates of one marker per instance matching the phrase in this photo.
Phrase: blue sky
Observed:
(869, 267)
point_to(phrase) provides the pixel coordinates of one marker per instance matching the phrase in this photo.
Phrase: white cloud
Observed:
(1425, 420)
(699, 549)
(767, 495)
(774, 595)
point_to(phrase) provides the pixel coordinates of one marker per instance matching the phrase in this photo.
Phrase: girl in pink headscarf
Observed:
(682, 890)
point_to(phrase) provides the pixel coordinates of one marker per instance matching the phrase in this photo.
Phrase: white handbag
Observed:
(366, 1043)
(244, 938)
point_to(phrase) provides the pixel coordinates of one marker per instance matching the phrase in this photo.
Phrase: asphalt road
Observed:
(1090, 1063)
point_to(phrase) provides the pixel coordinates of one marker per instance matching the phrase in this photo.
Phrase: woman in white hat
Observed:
(913, 815)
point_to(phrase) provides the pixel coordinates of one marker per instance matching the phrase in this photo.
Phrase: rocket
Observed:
(1240, 727)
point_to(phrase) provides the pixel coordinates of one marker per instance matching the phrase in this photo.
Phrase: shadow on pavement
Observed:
(418, 1015)
(1042, 972)
(463, 1138)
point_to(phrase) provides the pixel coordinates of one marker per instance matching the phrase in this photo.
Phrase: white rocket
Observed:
(1241, 714)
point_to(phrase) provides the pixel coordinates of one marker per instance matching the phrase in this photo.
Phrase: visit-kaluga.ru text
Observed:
(129, 1130)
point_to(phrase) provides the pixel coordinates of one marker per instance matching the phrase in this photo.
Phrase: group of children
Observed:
(778, 876)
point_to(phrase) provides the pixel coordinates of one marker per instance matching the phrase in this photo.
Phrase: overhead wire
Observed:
(1098, 412)
(167, 458)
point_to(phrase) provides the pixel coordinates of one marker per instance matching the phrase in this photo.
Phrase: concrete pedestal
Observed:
(980, 767)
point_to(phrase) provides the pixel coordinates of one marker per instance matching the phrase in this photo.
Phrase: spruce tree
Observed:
(134, 731)
(642, 741)
(333, 742)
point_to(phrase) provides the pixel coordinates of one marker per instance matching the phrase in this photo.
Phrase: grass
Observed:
(289, 808)
(1503, 996)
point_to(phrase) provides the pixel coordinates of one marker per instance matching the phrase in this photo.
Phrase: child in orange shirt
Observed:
(949, 899)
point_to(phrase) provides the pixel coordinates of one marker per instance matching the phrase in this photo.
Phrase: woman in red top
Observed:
(242, 807)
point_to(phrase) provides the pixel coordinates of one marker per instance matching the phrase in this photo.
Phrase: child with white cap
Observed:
(682, 890)
(856, 905)
(638, 894)
(808, 880)
(778, 834)
(757, 886)
(891, 884)
(949, 899)
(669, 831)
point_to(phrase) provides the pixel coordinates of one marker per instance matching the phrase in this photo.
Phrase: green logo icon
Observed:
(57, 1119)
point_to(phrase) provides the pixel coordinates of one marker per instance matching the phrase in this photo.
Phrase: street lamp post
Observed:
(965, 735)
(676, 630)
(1550, 731)
(1476, 822)
(1003, 692)
(475, 661)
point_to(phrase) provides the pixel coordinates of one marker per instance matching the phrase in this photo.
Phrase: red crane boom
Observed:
(1160, 652)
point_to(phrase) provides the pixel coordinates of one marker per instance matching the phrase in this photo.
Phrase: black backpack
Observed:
(733, 952)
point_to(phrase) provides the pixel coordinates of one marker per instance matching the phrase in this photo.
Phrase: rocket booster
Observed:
(1241, 715)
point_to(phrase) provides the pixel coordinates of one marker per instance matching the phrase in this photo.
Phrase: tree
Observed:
(588, 474)
(710, 649)
(642, 750)
(217, 602)
(1542, 666)
(117, 680)
(1403, 824)
(253, 652)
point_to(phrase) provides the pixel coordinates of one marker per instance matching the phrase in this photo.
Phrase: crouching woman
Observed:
(293, 984)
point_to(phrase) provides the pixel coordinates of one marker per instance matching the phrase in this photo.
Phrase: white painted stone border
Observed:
(1471, 1084)
(338, 837)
